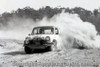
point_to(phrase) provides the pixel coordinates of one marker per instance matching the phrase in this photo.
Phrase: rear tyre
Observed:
(28, 50)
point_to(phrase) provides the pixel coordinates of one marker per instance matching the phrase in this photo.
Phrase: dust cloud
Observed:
(73, 31)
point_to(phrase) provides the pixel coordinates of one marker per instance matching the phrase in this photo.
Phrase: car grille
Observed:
(37, 41)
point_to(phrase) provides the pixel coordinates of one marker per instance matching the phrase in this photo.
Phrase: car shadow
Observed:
(40, 51)
(14, 53)
(23, 53)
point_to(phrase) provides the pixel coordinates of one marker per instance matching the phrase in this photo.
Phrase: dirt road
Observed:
(69, 58)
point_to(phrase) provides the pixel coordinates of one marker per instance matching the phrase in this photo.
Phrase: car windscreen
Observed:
(43, 31)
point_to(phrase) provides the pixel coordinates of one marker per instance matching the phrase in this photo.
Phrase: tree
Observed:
(96, 12)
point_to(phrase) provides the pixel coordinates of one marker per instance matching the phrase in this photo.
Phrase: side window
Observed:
(41, 31)
(56, 31)
(35, 31)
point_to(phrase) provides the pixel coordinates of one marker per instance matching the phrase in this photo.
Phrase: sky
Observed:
(9, 5)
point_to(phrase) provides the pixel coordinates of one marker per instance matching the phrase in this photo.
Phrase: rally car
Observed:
(42, 37)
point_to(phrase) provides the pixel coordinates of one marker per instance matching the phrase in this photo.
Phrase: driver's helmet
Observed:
(41, 31)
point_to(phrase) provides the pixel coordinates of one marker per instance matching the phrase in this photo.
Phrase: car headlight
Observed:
(47, 38)
(42, 38)
(27, 38)
(26, 41)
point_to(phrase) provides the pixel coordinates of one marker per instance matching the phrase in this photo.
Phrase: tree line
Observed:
(28, 12)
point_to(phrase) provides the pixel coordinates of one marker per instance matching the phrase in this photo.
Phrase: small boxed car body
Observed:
(42, 37)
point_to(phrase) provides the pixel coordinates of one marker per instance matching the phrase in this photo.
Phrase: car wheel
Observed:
(48, 48)
(28, 50)
(54, 46)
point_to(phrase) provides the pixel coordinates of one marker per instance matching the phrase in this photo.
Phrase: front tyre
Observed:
(27, 50)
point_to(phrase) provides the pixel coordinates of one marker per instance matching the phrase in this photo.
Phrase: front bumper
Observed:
(38, 44)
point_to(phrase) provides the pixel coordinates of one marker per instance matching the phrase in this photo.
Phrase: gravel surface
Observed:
(14, 56)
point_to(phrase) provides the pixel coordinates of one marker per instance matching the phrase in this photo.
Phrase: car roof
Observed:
(44, 27)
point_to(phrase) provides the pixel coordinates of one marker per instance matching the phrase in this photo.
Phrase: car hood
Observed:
(39, 36)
